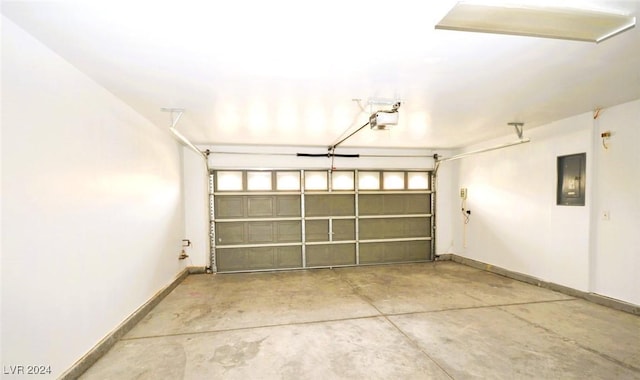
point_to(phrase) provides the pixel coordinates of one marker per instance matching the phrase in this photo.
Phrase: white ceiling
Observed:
(286, 72)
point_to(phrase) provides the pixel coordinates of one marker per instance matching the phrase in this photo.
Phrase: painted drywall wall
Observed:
(515, 222)
(617, 244)
(196, 204)
(446, 200)
(92, 215)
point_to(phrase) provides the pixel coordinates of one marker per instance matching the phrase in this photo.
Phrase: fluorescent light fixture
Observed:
(536, 21)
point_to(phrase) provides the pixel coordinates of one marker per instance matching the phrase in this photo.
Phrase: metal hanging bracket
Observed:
(176, 114)
(519, 127)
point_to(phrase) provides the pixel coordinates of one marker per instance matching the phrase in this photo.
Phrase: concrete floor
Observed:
(416, 321)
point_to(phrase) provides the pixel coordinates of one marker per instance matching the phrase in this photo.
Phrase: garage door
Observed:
(290, 219)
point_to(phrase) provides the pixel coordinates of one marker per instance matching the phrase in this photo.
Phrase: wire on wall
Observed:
(606, 135)
(466, 213)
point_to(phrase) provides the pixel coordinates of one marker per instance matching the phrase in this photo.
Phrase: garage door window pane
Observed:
(229, 181)
(288, 181)
(369, 180)
(418, 181)
(315, 181)
(342, 180)
(393, 180)
(259, 181)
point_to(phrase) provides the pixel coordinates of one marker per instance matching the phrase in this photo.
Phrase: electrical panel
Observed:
(571, 180)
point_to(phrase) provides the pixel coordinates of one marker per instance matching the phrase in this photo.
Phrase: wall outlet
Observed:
(463, 193)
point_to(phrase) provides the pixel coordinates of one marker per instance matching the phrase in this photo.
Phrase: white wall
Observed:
(446, 200)
(617, 247)
(196, 203)
(92, 214)
(516, 224)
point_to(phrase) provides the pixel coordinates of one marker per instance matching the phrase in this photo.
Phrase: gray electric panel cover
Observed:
(571, 180)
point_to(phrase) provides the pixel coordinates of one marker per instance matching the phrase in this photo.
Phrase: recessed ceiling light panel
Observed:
(563, 23)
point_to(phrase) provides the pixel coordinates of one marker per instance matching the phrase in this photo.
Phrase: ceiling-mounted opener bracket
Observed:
(519, 127)
(176, 114)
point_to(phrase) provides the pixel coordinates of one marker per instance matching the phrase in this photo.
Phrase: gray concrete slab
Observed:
(429, 320)
(409, 288)
(231, 301)
(439, 286)
(611, 333)
(489, 343)
(368, 348)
